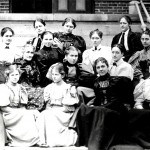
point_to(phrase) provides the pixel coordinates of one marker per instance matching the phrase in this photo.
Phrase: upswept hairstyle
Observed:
(99, 33)
(4, 30)
(120, 46)
(71, 48)
(45, 33)
(11, 68)
(127, 18)
(69, 19)
(26, 46)
(59, 67)
(147, 31)
(39, 20)
(100, 59)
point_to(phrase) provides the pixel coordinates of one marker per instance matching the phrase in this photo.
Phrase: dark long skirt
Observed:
(138, 130)
(96, 127)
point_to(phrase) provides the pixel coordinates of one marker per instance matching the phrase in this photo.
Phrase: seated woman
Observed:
(30, 78)
(71, 65)
(137, 132)
(142, 95)
(85, 91)
(54, 120)
(2, 132)
(7, 53)
(98, 124)
(119, 67)
(140, 61)
(47, 56)
(66, 38)
(19, 122)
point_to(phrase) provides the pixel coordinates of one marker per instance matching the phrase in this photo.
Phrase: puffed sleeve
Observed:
(5, 95)
(47, 93)
(134, 61)
(139, 95)
(81, 43)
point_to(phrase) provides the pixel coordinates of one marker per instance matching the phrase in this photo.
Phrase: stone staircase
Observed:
(38, 148)
(117, 147)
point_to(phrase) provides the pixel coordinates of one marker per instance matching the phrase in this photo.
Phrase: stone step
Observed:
(116, 147)
(38, 148)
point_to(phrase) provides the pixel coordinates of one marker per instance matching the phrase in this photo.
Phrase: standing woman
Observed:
(130, 40)
(39, 25)
(66, 38)
(7, 54)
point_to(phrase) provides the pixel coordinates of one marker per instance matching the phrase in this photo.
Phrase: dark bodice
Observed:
(30, 72)
(72, 73)
(133, 41)
(45, 58)
(71, 39)
(145, 67)
(48, 56)
(113, 90)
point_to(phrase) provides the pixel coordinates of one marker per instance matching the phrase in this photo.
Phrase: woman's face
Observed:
(145, 39)
(116, 54)
(101, 68)
(56, 76)
(68, 27)
(124, 25)
(72, 57)
(7, 37)
(39, 27)
(47, 40)
(14, 77)
(28, 53)
(96, 40)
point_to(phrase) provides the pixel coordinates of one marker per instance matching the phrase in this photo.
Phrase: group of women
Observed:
(58, 93)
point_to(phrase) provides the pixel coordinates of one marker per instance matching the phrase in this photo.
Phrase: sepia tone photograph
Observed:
(74, 74)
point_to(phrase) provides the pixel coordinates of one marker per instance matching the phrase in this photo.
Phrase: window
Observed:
(31, 6)
(72, 6)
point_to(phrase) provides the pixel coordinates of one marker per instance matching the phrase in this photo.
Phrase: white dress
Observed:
(54, 121)
(19, 122)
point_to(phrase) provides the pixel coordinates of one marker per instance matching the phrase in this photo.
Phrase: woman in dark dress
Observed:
(129, 39)
(99, 123)
(30, 78)
(67, 38)
(47, 56)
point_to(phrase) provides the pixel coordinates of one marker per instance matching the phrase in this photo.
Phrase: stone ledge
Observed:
(62, 16)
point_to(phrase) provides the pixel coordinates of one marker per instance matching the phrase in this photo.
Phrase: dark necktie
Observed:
(7, 47)
(115, 64)
(38, 45)
(122, 39)
(95, 47)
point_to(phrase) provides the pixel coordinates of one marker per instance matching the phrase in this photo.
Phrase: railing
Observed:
(143, 25)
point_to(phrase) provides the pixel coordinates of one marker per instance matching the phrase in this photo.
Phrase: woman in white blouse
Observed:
(7, 54)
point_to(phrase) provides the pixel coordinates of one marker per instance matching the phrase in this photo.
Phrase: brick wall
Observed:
(111, 7)
(4, 6)
(114, 7)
